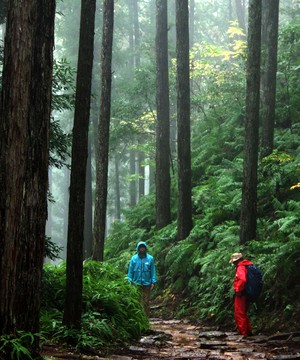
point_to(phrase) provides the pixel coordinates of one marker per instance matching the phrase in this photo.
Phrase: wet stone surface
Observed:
(174, 339)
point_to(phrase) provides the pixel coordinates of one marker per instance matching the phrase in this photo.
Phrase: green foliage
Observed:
(3, 11)
(143, 214)
(197, 268)
(16, 347)
(218, 73)
(52, 250)
(63, 95)
(60, 144)
(288, 97)
(63, 89)
(112, 307)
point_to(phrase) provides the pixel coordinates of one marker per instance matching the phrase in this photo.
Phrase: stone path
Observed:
(181, 340)
(175, 340)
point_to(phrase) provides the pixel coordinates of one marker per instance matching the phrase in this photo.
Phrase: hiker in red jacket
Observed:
(241, 303)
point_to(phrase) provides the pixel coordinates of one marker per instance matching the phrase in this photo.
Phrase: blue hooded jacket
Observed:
(142, 269)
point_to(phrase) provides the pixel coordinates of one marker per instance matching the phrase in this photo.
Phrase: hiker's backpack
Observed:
(254, 282)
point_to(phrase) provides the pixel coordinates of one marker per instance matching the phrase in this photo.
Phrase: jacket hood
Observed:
(139, 244)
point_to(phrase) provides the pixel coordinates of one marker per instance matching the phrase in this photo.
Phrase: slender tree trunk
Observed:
(151, 179)
(88, 218)
(141, 168)
(192, 23)
(103, 132)
(73, 300)
(136, 31)
(270, 13)
(230, 17)
(132, 184)
(240, 12)
(183, 121)
(117, 189)
(65, 207)
(49, 223)
(24, 145)
(249, 191)
(163, 211)
(137, 60)
(132, 154)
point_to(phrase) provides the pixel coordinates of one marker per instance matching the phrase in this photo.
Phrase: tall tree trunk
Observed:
(270, 13)
(65, 207)
(192, 23)
(132, 154)
(151, 178)
(24, 145)
(88, 211)
(163, 211)
(183, 120)
(240, 13)
(49, 223)
(103, 132)
(249, 191)
(117, 189)
(132, 184)
(141, 168)
(230, 16)
(136, 32)
(73, 300)
(137, 62)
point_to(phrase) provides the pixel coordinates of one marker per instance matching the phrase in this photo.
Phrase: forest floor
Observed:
(180, 339)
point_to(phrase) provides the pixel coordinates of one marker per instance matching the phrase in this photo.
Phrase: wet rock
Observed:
(212, 344)
(174, 339)
(284, 357)
(212, 334)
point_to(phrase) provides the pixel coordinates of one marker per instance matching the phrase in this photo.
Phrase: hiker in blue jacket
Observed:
(142, 272)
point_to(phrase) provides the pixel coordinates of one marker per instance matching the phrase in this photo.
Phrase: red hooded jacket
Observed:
(240, 278)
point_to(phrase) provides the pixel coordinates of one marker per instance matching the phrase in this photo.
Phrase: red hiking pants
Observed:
(240, 314)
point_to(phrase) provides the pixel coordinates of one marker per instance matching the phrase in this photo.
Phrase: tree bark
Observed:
(132, 153)
(249, 191)
(183, 120)
(73, 300)
(103, 132)
(88, 211)
(192, 23)
(240, 13)
(163, 211)
(24, 144)
(141, 168)
(132, 184)
(117, 189)
(137, 62)
(270, 13)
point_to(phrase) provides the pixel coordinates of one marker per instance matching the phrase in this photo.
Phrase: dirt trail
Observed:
(174, 339)
(181, 340)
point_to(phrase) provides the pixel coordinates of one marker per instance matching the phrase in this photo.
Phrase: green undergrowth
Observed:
(194, 275)
(112, 310)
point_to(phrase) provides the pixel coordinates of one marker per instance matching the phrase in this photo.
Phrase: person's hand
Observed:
(152, 286)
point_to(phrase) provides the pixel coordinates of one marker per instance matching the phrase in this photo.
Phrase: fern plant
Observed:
(112, 308)
(17, 347)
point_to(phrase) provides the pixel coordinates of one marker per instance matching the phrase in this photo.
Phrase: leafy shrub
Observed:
(112, 307)
(16, 347)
